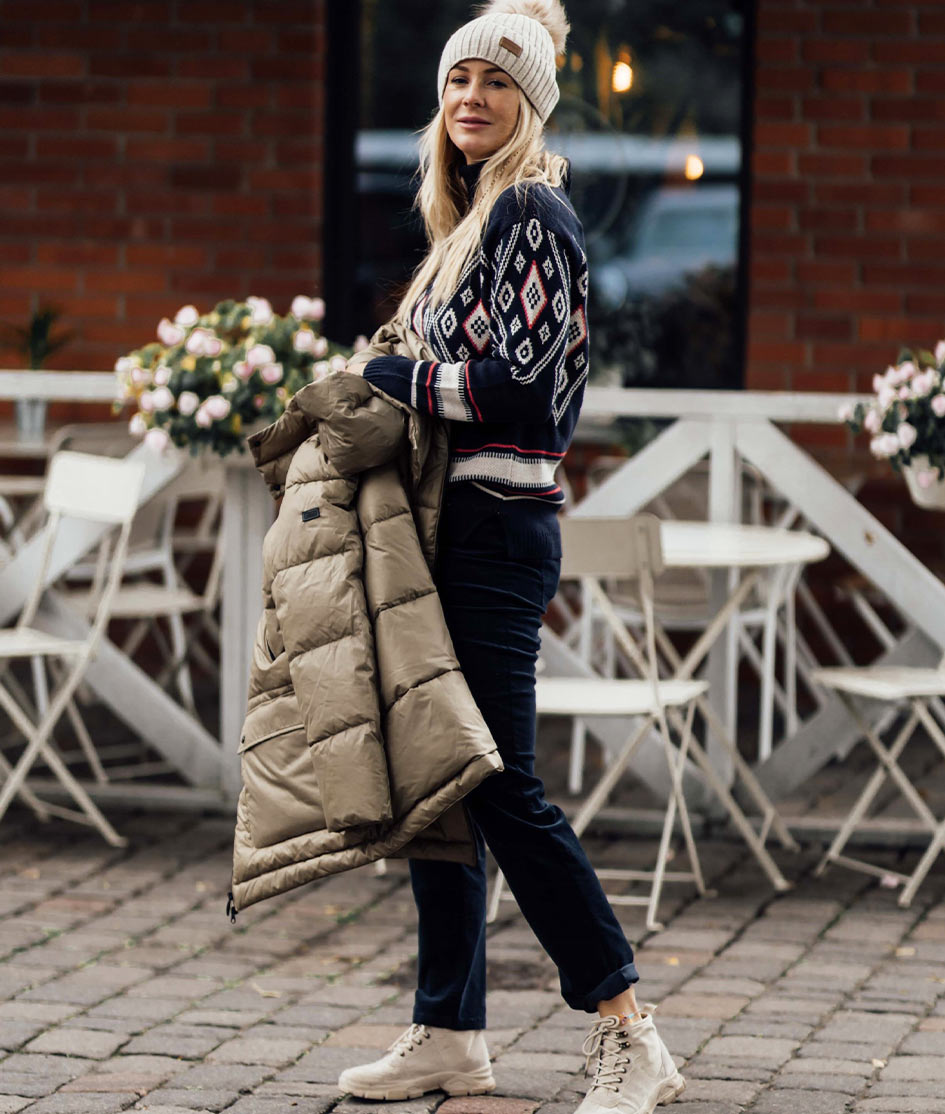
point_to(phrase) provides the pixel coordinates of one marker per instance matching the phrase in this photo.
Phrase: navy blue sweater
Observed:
(511, 348)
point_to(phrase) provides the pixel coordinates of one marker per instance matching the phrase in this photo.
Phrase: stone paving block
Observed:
(860, 1027)
(422, 1105)
(10, 1104)
(489, 1104)
(92, 1043)
(317, 1017)
(47, 1012)
(235, 1077)
(538, 1061)
(768, 1051)
(189, 1100)
(364, 1035)
(528, 1083)
(911, 1088)
(148, 1011)
(227, 1019)
(916, 1067)
(14, 1034)
(187, 1042)
(64, 1067)
(900, 1104)
(746, 1071)
(259, 1050)
(685, 1004)
(927, 1043)
(253, 1104)
(60, 1103)
(861, 1069)
(28, 1084)
(811, 1081)
(324, 1064)
(790, 1029)
(732, 1091)
(809, 1102)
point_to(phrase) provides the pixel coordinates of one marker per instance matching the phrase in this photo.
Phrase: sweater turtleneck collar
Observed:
(469, 172)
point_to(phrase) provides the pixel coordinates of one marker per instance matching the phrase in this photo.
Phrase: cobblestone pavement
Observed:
(123, 986)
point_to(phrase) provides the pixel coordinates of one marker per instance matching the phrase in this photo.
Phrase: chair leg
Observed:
(29, 797)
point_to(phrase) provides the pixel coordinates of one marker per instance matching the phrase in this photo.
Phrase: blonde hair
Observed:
(453, 233)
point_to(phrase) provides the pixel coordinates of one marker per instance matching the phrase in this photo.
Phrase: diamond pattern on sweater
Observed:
(559, 305)
(577, 330)
(476, 327)
(448, 322)
(533, 234)
(533, 296)
(467, 296)
(519, 261)
(506, 296)
(524, 352)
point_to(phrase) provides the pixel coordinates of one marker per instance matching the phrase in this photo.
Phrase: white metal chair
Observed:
(629, 548)
(907, 687)
(94, 490)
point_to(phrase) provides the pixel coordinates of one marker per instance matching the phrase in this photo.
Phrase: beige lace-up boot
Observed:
(632, 1070)
(422, 1059)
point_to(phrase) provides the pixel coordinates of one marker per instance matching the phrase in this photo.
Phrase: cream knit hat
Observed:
(521, 36)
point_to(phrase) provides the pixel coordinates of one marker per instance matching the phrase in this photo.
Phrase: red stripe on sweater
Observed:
(497, 445)
(429, 392)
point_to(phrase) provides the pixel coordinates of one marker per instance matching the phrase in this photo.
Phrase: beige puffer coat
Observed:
(361, 735)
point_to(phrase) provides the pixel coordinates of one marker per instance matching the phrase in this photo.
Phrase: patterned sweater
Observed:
(511, 347)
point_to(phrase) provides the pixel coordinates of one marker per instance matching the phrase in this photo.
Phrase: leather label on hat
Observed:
(514, 48)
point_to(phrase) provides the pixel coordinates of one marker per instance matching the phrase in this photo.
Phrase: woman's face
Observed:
(480, 104)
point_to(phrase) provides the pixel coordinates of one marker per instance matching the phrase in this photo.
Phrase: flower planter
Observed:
(30, 419)
(932, 497)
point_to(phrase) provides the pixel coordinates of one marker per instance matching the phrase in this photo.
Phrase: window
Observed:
(651, 117)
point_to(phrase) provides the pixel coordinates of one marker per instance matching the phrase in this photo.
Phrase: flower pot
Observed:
(933, 495)
(30, 419)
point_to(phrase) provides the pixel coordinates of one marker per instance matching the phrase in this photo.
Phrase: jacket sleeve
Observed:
(521, 337)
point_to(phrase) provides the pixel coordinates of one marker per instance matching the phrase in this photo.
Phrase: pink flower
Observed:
(260, 354)
(311, 308)
(187, 403)
(162, 375)
(140, 376)
(886, 396)
(217, 407)
(337, 363)
(138, 426)
(938, 406)
(202, 342)
(259, 401)
(242, 370)
(170, 334)
(360, 341)
(162, 398)
(904, 372)
(157, 440)
(271, 373)
(304, 340)
(203, 419)
(940, 353)
(320, 370)
(260, 309)
(320, 347)
(923, 383)
(907, 435)
(879, 381)
(890, 444)
(187, 316)
(146, 402)
(872, 421)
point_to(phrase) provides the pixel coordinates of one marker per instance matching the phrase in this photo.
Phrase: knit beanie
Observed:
(521, 36)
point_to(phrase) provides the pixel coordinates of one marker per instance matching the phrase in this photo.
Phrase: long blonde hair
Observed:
(453, 233)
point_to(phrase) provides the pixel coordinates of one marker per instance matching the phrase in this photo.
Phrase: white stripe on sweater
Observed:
(413, 384)
(449, 385)
(504, 469)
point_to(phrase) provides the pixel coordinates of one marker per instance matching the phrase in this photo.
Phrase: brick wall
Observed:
(154, 153)
(848, 214)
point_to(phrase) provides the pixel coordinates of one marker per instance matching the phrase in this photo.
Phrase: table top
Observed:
(714, 545)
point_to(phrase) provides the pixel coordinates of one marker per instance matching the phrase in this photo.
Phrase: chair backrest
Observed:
(101, 438)
(96, 488)
(611, 547)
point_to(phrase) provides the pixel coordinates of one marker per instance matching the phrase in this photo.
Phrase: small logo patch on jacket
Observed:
(312, 512)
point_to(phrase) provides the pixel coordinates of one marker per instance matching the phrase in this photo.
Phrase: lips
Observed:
(470, 120)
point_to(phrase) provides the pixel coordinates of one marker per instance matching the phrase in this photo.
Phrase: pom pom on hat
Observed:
(549, 14)
(521, 36)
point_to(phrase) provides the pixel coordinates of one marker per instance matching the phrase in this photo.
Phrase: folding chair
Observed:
(629, 549)
(94, 490)
(903, 685)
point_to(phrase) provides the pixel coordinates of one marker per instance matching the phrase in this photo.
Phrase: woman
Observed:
(500, 298)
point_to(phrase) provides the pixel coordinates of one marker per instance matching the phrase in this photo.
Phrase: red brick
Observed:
(926, 303)
(79, 201)
(771, 324)
(203, 178)
(860, 193)
(78, 253)
(819, 219)
(858, 21)
(41, 278)
(774, 190)
(245, 40)
(932, 23)
(933, 195)
(872, 137)
(240, 205)
(779, 297)
(768, 271)
(760, 378)
(817, 327)
(867, 81)
(929, 139)
(916, 52)
(124, 64)
(772, 164)
(858, 247)
(34, 118)
(212, 123)
(243, 96)
(907, 109)
(855, 354)
(834, 108)
(213, 67)
(775, 108)
(930, 81)
(773, 243)
(923, 248)
(915, 221)
(80, 92)
(904, 275)
(776, 351)
(77, 147)
(908, 166)
(774, 21)
(796, 79)
(829, 272)
(127, 119)
(166, 151)
(776, 217)
(776, 51)
(782, 135)
(874, 301)
(14, 146)
(832, 166)
(179, 94)
(897, 328)
(75, 36)
(213, 11)
(851, 51)
(41, 63)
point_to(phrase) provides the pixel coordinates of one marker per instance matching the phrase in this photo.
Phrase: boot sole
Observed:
(454, 1085)
(671, 1090)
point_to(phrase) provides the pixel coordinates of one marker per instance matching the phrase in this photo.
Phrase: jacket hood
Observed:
(359, 426)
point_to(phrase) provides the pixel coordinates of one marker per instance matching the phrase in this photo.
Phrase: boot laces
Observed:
(410, 1039)
(607, 1052)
